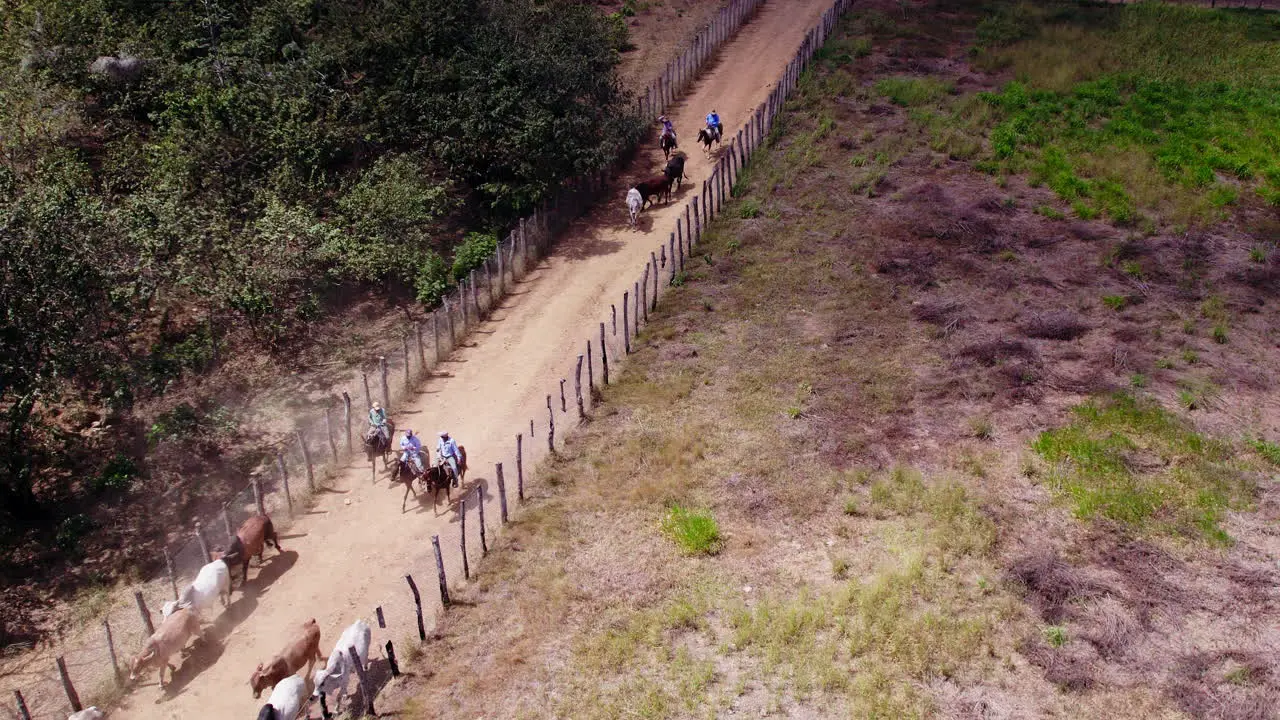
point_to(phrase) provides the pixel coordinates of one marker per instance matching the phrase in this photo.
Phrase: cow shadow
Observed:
(270, 571)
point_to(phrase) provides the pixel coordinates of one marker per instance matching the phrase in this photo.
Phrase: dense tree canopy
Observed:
(227, 165)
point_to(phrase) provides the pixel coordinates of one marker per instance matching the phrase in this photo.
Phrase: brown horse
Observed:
(405, 472)
(667, 143)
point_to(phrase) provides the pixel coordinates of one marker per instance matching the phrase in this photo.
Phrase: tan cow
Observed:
(169, 638)
(255, 533)
(303, 649)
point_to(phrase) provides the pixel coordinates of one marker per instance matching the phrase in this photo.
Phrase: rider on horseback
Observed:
(411, 448)
(447, 451)
(713, 124)
(378, 421)
(668, 129)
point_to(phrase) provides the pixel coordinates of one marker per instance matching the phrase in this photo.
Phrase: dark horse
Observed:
(405, 472)
(668, 143)
(706, 136)
(439, 475)
(375, 445)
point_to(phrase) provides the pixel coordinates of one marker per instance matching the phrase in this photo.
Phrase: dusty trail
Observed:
(350, 553)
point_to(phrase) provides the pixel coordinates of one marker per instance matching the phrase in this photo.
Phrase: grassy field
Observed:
(917, 435)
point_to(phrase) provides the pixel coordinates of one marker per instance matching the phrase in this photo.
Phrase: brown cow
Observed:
(252, 538)
(655, 187)
(170, 638)
(304, 648)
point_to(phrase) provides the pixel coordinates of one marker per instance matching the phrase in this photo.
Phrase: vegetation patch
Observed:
(1126, 459)
(695, 531)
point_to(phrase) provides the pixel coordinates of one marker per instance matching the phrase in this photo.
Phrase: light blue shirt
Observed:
(447, 448)
(411, 443)
(713, 119)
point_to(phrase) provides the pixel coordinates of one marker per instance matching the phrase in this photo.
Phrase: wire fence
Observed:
(88, 665)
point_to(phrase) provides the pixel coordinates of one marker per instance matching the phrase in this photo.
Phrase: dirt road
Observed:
(350, 553)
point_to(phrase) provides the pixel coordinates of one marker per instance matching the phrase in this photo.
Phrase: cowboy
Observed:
(378, 421)
(411, 448)
(668, 128)
(713, 124)
(447, 451)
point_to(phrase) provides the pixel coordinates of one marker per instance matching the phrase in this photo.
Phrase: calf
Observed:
(213, 581)
(335, 675)
(170, 638)
(251, 539)
(303, 650)
(89, 713)
(287, 699)
(654, 187)
(634, 201)
(674, 171)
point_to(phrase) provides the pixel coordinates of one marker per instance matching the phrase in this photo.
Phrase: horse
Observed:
(405, 472)
(438, 476)
(634, 202)
(675, 168)
(375, 445)
(654, 187)
(668, 143)
(706, 136)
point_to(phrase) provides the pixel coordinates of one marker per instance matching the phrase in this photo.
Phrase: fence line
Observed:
(319, 445)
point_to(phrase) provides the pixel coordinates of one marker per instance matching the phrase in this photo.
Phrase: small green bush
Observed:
(750, 208)
(116, 476)
(911, 91)
(1055, 635)
(1220, 334)
(1268, 450)
(1257, 254)
(431, 282)
(696, 532)
(1115, 302)
(471, 253)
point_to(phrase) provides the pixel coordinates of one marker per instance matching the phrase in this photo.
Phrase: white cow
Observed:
(287, 699)
(334, 676)
(213, 581)
(634, 201)
(89, 713)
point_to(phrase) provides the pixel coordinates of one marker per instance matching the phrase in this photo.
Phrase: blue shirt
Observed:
(668, 127)
(447, 448)
(413, 443)
(713, 119)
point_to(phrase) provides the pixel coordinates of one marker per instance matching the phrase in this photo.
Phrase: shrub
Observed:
(696, 532)
(1257, 254)
(750, 208)
(980, 428)
(1220, 334)
(1055, 635)
(472, 252)
(432, 281)
(1115, 302)
(1268, 450)
(910, 91)
(116, 476)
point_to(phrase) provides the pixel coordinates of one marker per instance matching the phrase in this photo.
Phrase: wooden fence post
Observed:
(204, 546)
(386, 392)
(346, 416)
(520, 466)
(111, 650)
(417, 602)
(591, 376)
(444, 585)
(484, 543)
(453, 336)
(577, 390)
(144, 612)
(407, 364)
(653, 259)
(462, 520)
(674, 271)
(613, 311)
(23, 712)
(226, 523)
(475, 296)
(391, 660)
(626, 330)
(551, 427)
(681, 252)
(435, 332)
(366, 689)
(306, 454)
(502, 494)
(563, 406)
(382, 622)
(67, 686)
(173, 578)
(635, 299)
(422, 351)
(604, 358)
(644, 297)
(328, 427)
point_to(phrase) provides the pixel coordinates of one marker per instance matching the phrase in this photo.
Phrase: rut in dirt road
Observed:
(351, 552)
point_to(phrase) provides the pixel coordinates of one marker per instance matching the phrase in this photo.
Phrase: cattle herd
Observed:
(291, 692)
(655, 188)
